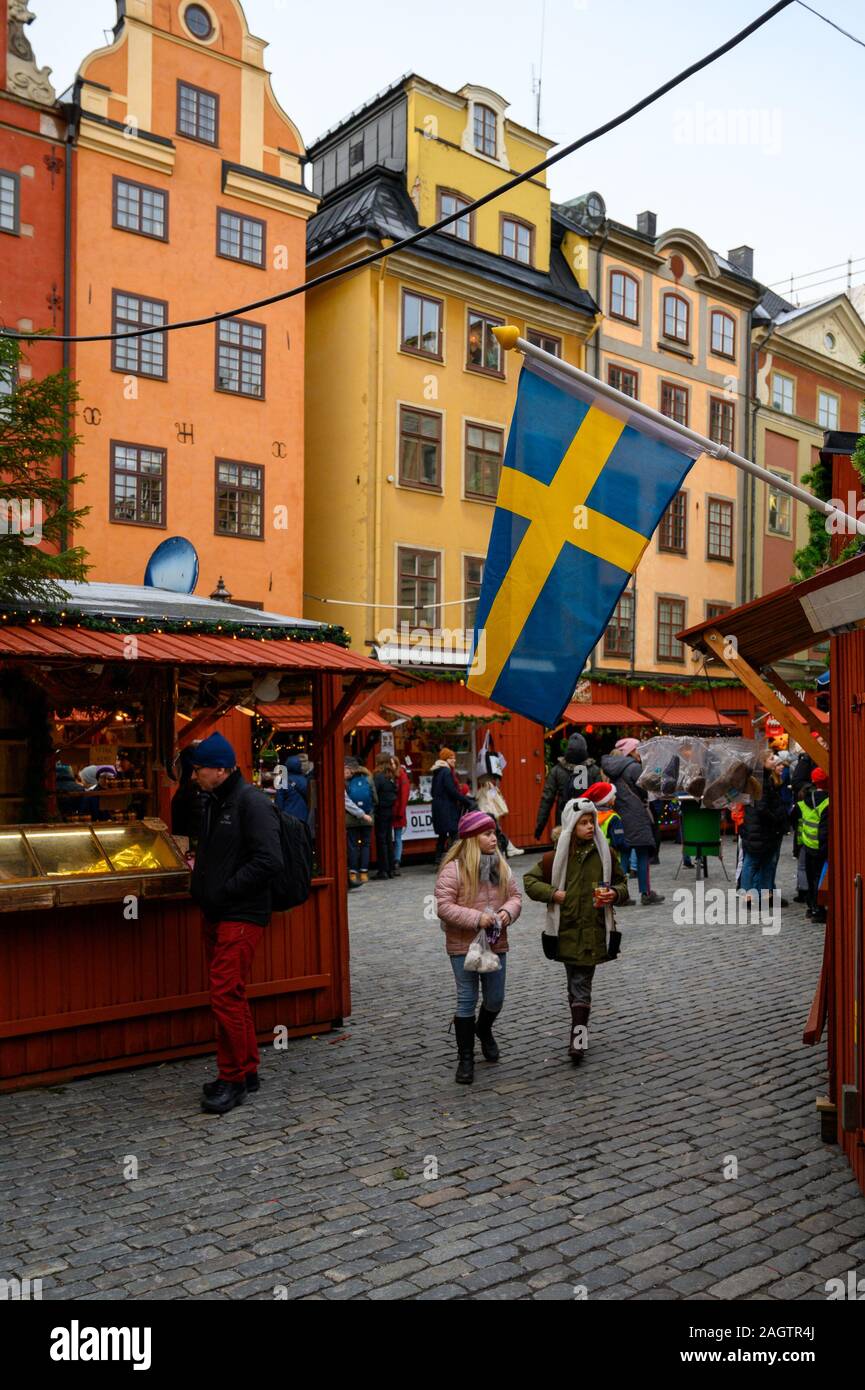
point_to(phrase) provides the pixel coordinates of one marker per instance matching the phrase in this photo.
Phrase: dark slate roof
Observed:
(379, 206)
(770, 306)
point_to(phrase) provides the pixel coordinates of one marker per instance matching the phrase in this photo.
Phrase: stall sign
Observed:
(387, 741)
(418, 824)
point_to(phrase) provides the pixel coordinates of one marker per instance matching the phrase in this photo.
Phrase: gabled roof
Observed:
(380, 207)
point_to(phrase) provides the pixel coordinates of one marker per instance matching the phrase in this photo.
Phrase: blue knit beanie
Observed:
(214, 751)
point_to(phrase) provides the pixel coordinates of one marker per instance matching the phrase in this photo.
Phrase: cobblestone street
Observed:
(361, 1170)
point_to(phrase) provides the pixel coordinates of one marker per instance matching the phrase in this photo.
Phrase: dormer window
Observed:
(485, 131)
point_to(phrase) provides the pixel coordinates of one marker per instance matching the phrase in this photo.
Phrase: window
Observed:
(483, 353)
(355, 154)
(623, 380)
(827, 410)
(418, 587)
(197, 113)
(782, 393)
(545, 341)
(723, 334)
(450, 203)
(10, 207)
(144, 356)
(473, 575)
(674, 401)
(677, 316)
(198, 21)
(139, 208)
(239, 499)
(624, 296)
(719, 542)
(421, 325)
(717, 610)
(240, 238)
(240, 357)
(485, 131)
(420, 444)
(722, 421)
(484, 451)
(517, 240)
(619, 636)
(673, 531)
(137, 484)
(780, 507)
(671, 619)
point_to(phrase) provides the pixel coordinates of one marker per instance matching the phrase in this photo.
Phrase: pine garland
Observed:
(330, 632)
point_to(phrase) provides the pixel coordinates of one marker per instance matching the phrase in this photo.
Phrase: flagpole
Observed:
(508, 336)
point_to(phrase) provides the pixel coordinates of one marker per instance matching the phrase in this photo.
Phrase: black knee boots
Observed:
(484, 1031)
(465, 1031)
(577, 1044)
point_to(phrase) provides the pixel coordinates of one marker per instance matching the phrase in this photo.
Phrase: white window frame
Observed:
(828, 396)
(782, 376)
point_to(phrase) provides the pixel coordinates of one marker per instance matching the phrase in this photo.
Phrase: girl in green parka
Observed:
(579, 881)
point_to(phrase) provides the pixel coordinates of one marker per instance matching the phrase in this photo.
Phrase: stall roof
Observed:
(603, 714)
(286, 716)
(144, 601)
(466, 709)
(688, 717)
(39, 643)
(776, 626)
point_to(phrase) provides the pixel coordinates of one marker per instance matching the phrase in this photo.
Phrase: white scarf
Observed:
(571, 814)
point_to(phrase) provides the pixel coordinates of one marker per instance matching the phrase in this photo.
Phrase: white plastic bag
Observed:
(479, 957)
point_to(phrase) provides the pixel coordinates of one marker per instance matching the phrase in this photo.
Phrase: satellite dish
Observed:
(173, 565)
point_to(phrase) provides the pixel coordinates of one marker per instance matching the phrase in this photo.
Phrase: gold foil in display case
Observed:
(59, 865)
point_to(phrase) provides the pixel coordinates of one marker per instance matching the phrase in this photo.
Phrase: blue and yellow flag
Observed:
(585, 482)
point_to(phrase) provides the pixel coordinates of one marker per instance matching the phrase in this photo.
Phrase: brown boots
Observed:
(578, 1042)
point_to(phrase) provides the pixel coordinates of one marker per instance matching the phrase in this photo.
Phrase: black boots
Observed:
(577, 1043)
(465, 1031)
(224, 1096)
(484, 1031)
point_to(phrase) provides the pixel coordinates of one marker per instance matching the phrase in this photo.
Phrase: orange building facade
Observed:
(189, 199)
(32, 196)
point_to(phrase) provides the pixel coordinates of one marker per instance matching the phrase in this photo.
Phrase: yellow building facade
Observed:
(408, 395)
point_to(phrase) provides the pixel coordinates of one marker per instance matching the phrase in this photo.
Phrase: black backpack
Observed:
(292, 886)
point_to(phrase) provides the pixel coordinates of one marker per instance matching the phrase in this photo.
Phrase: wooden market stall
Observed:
(829, 606)
(101, 959)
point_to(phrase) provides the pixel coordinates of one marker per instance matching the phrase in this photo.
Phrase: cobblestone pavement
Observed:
(361, 1170)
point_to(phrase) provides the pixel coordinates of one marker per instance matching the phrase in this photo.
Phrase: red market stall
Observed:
(101, 960)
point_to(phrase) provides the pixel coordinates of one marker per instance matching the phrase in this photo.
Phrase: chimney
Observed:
(743, 257)
(647, 223)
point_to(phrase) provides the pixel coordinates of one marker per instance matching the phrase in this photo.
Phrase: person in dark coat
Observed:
(448, 802)
(293, 795)
(800, 777)
(622, 767)
(763, 829)
(386, 793)
(187, 804)
(239, 852)
(568, 778)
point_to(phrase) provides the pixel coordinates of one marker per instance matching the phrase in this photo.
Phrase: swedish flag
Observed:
(585, 482)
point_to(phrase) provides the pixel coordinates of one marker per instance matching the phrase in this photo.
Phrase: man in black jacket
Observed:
(569, 777)
(238, 853)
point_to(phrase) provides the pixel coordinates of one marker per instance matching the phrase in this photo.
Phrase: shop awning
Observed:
(688, 717)
(44, 643)
(287, 717)
(603, 714)
(466, 709)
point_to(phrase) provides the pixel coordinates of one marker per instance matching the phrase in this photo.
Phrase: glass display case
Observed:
(57, 865)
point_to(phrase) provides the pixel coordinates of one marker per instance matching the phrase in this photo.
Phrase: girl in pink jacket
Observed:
(474, 889)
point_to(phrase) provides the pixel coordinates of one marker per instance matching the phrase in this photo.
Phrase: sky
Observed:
(764, 147)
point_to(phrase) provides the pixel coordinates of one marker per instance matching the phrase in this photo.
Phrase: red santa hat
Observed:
(602, 793)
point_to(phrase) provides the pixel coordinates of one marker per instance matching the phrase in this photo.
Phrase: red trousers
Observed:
(229, 948)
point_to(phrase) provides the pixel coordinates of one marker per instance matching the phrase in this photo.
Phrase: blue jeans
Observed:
(397, 843)
(642, 854)
(758, 874)
(492, 984)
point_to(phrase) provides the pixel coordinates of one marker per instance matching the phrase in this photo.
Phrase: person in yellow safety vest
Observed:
(813, 812)
(603, 794)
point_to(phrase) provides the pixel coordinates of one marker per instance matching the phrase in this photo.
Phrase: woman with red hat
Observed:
(475, 888)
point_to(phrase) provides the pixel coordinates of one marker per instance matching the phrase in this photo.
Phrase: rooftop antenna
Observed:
(537, 81)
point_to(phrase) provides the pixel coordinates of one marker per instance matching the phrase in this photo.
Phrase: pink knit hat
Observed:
(627, 745)
(474, 823)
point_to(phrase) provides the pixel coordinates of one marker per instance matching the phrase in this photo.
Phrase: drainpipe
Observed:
(750, 531)
(72, 113)
(379, 481)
